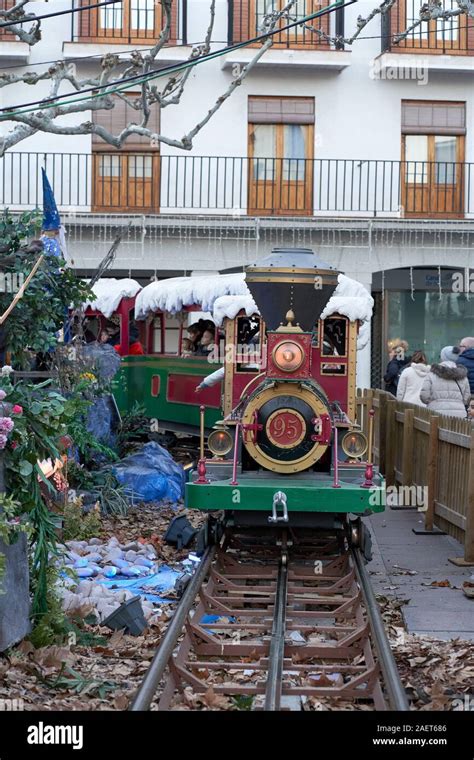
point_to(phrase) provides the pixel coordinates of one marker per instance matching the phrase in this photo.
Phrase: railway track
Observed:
(277, 619)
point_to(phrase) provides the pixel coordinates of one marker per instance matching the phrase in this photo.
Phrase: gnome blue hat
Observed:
(51, 220)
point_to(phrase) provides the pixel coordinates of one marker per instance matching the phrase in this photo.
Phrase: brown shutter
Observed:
(424, 118)
(117, 118)
(281, 110)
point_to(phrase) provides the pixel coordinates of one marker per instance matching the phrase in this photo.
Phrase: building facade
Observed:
(365, 153)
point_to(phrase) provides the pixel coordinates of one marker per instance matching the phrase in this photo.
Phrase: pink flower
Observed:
(14, 444)
(6, 424)
(17, 409)
(2, 394)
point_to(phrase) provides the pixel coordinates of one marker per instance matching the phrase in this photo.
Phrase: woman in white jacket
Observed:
(412, 378)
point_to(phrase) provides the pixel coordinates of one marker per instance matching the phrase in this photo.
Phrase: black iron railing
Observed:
(126, 22)
(449, 36)
(245, 19)
(145, 182)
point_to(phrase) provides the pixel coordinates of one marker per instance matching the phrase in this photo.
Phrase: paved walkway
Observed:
(442, 612)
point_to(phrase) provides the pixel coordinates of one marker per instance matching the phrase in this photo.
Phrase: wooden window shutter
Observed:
(281, 110)
(437, 118)
(117, 118)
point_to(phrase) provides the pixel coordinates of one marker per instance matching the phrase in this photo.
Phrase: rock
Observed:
(95, 542)
(132, 546)
(113, 541)
(84, 572)
(85, 587)
(130, 556)
(94, 557)
(144, 561)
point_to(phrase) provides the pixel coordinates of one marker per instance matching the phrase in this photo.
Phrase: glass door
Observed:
(281, 169)
(432, 175)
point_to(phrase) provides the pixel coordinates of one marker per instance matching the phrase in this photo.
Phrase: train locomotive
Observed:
(288, 451)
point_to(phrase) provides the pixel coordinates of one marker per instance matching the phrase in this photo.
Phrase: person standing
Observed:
(466, 359)
(446, 389)
(398, 360)
(412, 379)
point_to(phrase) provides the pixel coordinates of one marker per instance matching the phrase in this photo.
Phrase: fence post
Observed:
(390, 443)
(382, 428)
(407, 450)
(432, 471)
(469, 534)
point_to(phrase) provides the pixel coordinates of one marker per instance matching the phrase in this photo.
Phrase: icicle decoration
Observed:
(440, 292)
(412, 285)
(383, 285)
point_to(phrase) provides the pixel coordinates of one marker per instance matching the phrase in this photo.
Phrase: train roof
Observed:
(109, 292)
(292, 258)
(176, 293)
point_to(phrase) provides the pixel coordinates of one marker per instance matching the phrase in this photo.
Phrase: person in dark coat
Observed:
(466, 359)
(398, 360)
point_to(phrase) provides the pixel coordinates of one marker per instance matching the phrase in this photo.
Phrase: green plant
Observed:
(112, 499)
(70, 680)
(51, 624)
(42, 310)
(80, 526)
(135, 426)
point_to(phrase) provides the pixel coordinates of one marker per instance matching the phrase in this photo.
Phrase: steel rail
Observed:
(277, 645)
(154, 674)
(396, 693)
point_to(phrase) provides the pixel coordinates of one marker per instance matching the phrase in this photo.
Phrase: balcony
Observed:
(130, 22)
(447, 44)
(149, 183)
(296, 48)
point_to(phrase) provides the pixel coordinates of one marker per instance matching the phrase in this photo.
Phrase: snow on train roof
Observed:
(224, 295)
(203, 290)
(109, 292)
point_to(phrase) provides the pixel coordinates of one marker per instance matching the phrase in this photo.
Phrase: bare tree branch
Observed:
(114, 72)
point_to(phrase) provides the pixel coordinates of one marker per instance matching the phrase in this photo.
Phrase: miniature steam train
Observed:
(287, 450)
(279, 416)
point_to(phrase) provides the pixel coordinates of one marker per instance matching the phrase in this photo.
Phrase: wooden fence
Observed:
(415, 447)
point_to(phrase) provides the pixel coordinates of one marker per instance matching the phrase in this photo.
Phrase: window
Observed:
(248, 19)
(127, 178)
(129, 21)
(281, 136)
(433, 137)
(454, 35)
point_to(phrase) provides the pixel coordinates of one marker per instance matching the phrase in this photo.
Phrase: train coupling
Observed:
(279, 500)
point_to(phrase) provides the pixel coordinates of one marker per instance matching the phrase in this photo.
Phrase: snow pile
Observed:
(109, 292)
(351, 299)
(229, 306)
(171, 295)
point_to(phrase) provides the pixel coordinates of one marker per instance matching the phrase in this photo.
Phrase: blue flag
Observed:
(51, 220)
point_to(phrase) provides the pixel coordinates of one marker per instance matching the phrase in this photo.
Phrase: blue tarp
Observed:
(151, 474)
(152, 587)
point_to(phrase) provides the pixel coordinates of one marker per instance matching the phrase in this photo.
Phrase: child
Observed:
(186, 347)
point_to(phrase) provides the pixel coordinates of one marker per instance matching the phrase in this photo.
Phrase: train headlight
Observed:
(220, 442)
(288, 356)
(354, 444)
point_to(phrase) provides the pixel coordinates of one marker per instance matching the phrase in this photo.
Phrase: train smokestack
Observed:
(291, 279)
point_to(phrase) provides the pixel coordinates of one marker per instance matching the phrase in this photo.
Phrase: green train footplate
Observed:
(303, 495)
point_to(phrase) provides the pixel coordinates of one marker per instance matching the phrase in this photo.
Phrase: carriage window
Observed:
(335, 337)
(250, 331)
(156, 336)
(172, 327)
